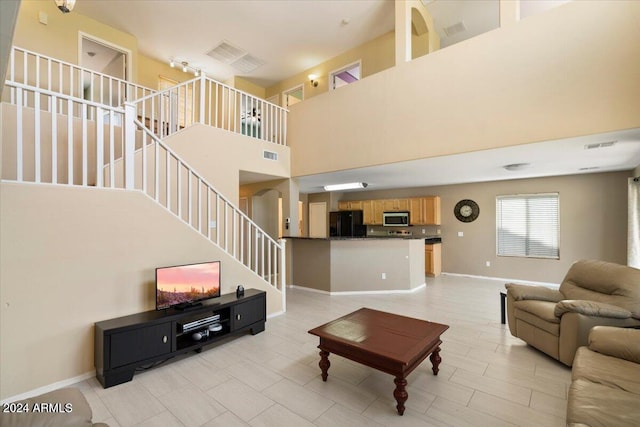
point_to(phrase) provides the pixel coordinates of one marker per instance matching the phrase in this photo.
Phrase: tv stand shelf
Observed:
(126, 343)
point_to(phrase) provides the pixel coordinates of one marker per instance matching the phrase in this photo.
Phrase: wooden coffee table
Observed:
(388, 342)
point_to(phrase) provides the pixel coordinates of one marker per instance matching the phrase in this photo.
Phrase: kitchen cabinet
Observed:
(424, 210)
(350, 206)
(390, 205)
(433, 259)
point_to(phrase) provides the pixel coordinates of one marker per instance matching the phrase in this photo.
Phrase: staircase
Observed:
(70, 126)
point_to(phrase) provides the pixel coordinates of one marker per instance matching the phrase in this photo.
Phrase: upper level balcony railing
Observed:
(201, 100)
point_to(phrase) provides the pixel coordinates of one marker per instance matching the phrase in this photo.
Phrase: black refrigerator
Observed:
(346, 224)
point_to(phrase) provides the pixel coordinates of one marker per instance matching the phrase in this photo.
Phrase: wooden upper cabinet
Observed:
(395, 205)
(424, 210)
(350, 206)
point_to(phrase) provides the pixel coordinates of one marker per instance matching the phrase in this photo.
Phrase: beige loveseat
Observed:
(66, 407)
(592, 293)
(605, 387)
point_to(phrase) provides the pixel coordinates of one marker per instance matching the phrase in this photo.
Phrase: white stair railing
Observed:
(57, 143)
(41, 71)
(206, 101)
(170, 181)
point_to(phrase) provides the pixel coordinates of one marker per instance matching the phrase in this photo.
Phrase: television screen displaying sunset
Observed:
(187, 283)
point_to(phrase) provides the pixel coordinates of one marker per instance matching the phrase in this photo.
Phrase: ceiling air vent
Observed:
(454, 29)
(247, 63)
(226, 52)
(270, 155)
(599, 145)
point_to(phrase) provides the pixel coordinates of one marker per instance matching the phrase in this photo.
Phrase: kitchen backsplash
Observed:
(414, 231)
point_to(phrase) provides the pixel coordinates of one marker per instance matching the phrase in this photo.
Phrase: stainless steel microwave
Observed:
(395, 219)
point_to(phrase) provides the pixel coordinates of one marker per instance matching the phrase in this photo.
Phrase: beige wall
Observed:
(59, 38)
(376, 55)
(357, 265)
(502, 88)
(593, 224)
(220, 155)
(70, 257)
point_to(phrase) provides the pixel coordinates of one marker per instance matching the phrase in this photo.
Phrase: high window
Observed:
(528, 225)
(345, 76)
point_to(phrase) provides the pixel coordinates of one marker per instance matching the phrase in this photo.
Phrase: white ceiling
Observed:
(291, 36)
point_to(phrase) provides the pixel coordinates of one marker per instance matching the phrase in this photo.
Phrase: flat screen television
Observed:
(184, 286)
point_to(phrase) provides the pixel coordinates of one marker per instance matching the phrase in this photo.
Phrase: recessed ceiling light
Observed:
(347, 186)
(516, 166)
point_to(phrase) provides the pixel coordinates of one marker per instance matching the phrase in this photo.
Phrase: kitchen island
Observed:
(357, 264)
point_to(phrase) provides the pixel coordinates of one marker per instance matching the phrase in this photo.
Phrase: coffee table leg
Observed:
(435, 360)
(324, 363)
(400, 393)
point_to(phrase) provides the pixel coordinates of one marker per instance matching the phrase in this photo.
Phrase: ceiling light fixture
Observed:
(65, 6)
(347, 186)
(516, 166)
(313, 79)
(186, 67)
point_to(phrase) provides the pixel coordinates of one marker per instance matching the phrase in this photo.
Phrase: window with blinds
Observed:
(528, 225)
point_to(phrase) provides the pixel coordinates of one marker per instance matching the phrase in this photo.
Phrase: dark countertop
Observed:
(428, 240)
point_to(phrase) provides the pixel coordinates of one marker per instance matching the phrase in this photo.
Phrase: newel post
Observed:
(283, 272)
(203, 92)
(129, 145)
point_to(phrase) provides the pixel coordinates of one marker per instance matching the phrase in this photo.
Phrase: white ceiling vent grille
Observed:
(247, 63)
(270, 155)
(226, 52)
(599, 145)
(454, 29)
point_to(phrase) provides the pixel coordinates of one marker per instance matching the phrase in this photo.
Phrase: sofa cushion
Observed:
(598, 405)
(603, 282)
(609, 371)
(539, 314)
(591, 308)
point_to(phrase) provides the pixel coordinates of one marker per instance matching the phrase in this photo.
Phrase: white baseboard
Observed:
(276, 314)
(387, 292)
(505, 280)
(50, 387)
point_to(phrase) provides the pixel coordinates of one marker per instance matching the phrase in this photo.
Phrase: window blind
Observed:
(528, 225)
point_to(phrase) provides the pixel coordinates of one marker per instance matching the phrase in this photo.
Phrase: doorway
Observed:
(345, 75)
(292, 96)
(105, 58)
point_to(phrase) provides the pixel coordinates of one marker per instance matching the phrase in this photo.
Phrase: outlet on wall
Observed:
(460, 233)
(384, 276)
(488, 263)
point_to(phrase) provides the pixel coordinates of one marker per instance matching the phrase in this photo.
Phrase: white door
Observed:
(318, 219)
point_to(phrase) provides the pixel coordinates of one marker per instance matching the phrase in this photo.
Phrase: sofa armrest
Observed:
(540, 293)
(623, 343)
(591, 308)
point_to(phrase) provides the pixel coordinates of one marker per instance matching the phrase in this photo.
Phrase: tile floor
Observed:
(487, 377)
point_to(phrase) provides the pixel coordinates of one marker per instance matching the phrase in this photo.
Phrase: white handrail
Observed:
(69, 150)
(206, 101)
(41, 71)
(170, 181)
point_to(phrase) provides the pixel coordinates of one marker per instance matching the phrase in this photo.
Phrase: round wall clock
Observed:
(466, 210)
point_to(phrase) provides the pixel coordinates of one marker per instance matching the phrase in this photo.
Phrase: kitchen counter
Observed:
(358, 264)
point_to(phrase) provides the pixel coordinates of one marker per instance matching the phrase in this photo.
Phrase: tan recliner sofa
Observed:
(592, 293)
(66, 407)
(605, 386)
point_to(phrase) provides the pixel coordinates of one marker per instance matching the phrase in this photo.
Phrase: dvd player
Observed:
(200, 322)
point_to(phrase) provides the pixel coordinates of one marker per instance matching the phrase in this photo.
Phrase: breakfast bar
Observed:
(357, 264)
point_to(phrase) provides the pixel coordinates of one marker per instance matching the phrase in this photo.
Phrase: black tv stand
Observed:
(130, 342)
